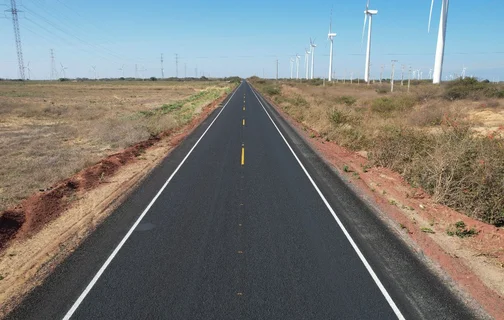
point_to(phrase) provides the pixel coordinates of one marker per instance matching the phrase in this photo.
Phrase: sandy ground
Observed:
(28, 259)
(476, 264)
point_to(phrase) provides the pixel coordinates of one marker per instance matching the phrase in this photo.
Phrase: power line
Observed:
(72, 26)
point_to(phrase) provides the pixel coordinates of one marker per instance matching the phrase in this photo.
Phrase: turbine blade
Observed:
(430, 15)
(367, 5)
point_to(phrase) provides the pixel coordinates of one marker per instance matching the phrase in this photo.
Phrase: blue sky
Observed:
(224, 38)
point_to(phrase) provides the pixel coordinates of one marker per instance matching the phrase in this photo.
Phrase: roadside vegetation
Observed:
(51, 130)
(447, 140)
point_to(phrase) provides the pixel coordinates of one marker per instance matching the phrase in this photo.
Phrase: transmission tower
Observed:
(54, 72)
(162, 67)
(176, 65)
(17, 36)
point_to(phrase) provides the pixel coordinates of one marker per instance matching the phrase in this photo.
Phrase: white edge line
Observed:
(91, 284)
(354, 245)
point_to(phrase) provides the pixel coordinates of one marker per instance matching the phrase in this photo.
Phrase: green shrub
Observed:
(347, 100)
(383, 105)
(338, 117)
(388, 105)
(272, 90)
(299, 101)
(471, 88)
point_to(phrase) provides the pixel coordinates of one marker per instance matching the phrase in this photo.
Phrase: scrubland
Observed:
(51, 130)
(445, 139)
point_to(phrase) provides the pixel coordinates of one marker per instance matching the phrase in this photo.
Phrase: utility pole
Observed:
(17, 36)
(409, 78)
(402, 75)
(162, 67)
(351, 77)
(94, 69)
(392, 76)
(136, 71)
(54, 73)
(381, 73)
(277, 69)
(185, 70)
(176, 65)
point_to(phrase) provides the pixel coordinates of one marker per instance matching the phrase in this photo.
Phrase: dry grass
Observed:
(48, 131)
(448, 140)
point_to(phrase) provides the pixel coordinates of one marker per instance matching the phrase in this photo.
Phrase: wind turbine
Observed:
(464, 69)
(370, 14)
(330, 37)
(438, 63)
(430, 73)
(291, 66)
(297, 66)
(63, 70)
(307, 66)
(313, 46)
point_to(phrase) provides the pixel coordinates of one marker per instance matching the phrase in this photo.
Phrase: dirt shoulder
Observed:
(52, 223)
(475, 263)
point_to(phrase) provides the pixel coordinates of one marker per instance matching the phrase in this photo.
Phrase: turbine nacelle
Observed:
(371, 12)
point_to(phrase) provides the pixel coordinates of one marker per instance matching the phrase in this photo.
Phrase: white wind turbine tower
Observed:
(313, 46)
(330, 37)
(307, 66)
(464, 69)
(297, 66)
(370, 14)
(291, 66)
(430, 74)
(63, 68)
(438, 64)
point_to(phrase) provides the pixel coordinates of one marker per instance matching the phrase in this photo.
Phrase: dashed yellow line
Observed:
(243, 155)
(243, 122)
(243, 108)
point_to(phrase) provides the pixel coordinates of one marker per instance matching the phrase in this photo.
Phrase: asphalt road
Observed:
(243, 221)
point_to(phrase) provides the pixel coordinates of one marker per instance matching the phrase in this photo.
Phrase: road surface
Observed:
(243, 221)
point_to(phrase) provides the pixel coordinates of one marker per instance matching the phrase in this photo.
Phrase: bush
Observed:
(396, 103)
(299, 101)
(382, 90)
(153, 79)
(272, 90)
(383, 105)
(347, 100)
(338, 117)
(431, 115)
(471, 88)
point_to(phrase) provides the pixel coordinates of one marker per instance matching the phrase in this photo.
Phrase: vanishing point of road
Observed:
(243, 221)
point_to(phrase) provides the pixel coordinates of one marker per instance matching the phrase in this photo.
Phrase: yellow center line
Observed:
(243, 122)
(243, 108)
(243, 155)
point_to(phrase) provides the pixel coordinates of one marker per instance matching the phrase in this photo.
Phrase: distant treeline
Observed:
(229, 79)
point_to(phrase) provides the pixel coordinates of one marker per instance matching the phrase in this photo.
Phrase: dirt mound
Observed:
(36, 211)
